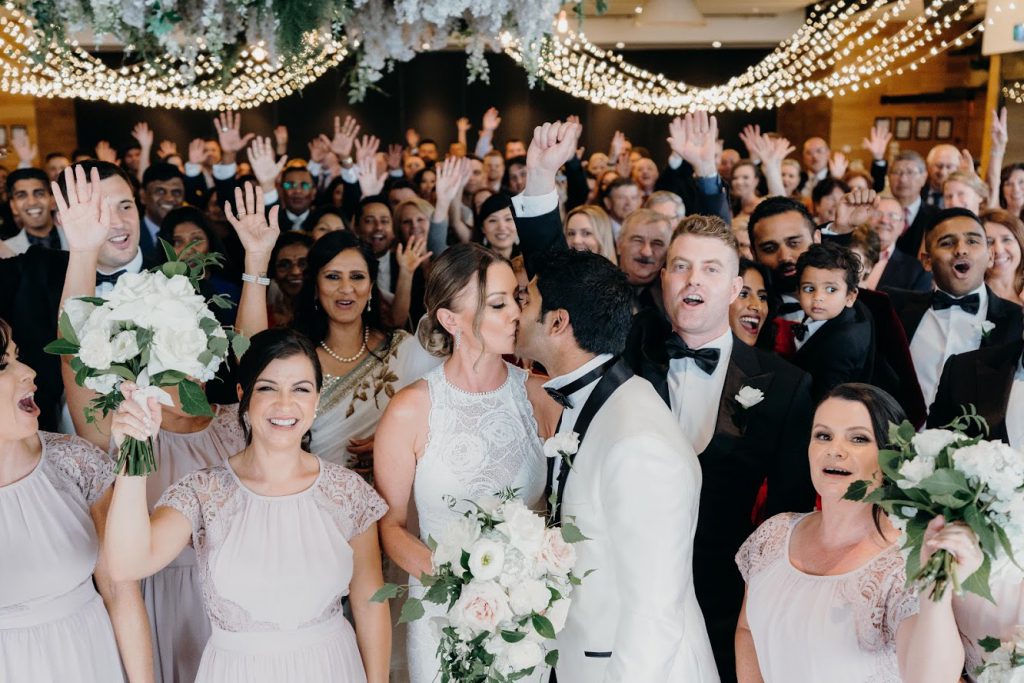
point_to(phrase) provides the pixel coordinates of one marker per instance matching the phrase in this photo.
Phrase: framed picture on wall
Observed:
(923, 129)
(3, 135)
(883, 124)
(902, 131)
(944, 128)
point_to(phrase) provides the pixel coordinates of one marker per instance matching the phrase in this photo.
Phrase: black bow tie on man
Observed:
(112, 278)
(970, 303)
(705, 359)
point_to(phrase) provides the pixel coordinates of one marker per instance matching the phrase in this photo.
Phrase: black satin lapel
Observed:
(744, 371)
(725, 423)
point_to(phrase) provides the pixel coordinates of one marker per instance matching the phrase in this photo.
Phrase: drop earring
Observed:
(458, 337)
(369, 304)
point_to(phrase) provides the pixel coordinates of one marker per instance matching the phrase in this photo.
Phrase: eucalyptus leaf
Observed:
(193, 400)
(67, 330)
(977, 582)
(239, 345)
(174, 268)
(857, 490)
(572, 534)
(61, 347)
(411, 611)
(385, 592)
(945, 481)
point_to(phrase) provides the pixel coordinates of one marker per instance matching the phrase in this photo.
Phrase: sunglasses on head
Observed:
(291, 185)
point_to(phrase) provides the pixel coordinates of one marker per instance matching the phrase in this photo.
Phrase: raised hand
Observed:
(370, 183)
(967, 162)
(413, 255)
(167, 148)
(877, 142)
(144, 134)
(552, 145)
(772, 150)
(412, 138)
(1000, 133)
(281, 139)
(449, 178)
(344, 137)
(265, 165)
(618, 144)
(462, 125)
(23, 147)
(751, 138)
(394, 157)
(855, 208)
(366, 147)
(228, 134)
(491, 120)
(104, 152)
(257, 231)
(84, 215)
(197, 151)
(837, 165)
(695, 139)
(319, 148)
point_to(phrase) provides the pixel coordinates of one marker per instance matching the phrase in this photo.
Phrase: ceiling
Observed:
(627, 8)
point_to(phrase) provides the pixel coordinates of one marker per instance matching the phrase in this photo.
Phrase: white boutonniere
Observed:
(562, 446)
(985, 327)
(748, 397)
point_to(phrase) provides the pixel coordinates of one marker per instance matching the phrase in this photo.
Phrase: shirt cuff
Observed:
(709, 185)
(314, 168)
(270, 197)
(350, 175)
(675, 161)
(224, 171)
(396, 173)
(192, 170)
(536, 205)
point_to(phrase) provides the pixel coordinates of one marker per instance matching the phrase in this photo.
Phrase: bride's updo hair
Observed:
(451, 273)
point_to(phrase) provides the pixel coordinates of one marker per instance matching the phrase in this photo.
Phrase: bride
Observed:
(466, 430)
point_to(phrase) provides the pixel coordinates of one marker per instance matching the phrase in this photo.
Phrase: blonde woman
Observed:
(588, 228)
(965, 190)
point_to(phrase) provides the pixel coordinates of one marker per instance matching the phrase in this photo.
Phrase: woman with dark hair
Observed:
(287, 267)
(755, 305)
(281, 535)
(1011, 189)
(1005, 232)
(54, 495)
(339, 309)
(495, 228)
(325, 219)
(465, 431)
(836, 578)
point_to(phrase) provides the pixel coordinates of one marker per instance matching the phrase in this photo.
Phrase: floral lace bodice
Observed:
(274, 563)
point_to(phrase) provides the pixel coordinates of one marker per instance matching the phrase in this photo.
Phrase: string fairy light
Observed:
(1014, 92)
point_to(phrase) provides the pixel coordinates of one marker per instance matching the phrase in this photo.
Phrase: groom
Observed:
(634, 483)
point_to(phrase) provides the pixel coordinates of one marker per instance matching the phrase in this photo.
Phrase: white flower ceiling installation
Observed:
(235, 54)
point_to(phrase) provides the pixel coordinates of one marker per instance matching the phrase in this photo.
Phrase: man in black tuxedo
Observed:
(962, 314)
(992, 380)
(894, 267)
(32, 283)
(705, 375)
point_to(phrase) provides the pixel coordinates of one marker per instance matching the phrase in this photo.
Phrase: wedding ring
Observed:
(225, 129)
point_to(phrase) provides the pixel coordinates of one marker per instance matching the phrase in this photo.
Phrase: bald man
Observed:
(942, 160)
(816, 154)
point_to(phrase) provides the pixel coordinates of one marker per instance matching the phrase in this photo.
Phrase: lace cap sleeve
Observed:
(357, 505)
(80, 464)
(184, 497)
(765, 545)
(901, 601)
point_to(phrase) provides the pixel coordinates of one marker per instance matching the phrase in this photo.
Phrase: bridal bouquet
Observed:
(153, 329)
(506, 579)
(964, 479)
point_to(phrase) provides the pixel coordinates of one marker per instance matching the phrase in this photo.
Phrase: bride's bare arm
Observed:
(400, 438)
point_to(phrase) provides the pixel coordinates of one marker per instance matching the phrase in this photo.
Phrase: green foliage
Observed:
(572, 534)
(193, 399)
(385, 592)
(989, 644)
(543, 626)
(411, 611)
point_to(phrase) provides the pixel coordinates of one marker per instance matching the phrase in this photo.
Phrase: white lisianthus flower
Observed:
(557, 556)
(95, 350)
(78, 313)
(460, 535)
(523, 655)
(529, 596)
(482, 606)
(523, 527)
(486, 559)
(562, 444)
(124, 346)
(178, 349)
(930, 442)
(103, 384)
(515, 568)
(748, 397)
(915, 471)
(135, 286)
(994, 464)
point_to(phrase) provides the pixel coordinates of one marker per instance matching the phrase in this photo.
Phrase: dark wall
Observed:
(431, 92)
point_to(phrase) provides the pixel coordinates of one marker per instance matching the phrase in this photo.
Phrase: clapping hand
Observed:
(84, 215)
(413, 255)
(344, 137)
(877, 142)
(25, 150)
(132, 420)
(257, 231)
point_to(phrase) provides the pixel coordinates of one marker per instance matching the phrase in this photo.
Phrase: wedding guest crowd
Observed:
(729, 335)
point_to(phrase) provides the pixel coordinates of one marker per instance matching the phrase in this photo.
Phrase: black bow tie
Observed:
(705, 359)
(562, 395)
(800, 330)
(112, 278)
(970, 303)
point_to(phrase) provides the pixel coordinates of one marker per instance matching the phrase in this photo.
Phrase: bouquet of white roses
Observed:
(506, 578)
(1004, 661)
(964, 479)
(153, 329)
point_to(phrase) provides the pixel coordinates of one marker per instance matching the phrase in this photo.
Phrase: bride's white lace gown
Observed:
(807, 628)
(478, 445)
(274, 570)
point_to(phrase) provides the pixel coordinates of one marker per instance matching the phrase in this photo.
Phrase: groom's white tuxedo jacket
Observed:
(633, 490)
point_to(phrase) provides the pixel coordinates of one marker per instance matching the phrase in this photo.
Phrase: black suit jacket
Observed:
(842, 350)
(682, 183)
(905, 272)
(538, 235)
(31, 284)
(981, 378)
(1007, 317)
(910, 241)
(766, 441)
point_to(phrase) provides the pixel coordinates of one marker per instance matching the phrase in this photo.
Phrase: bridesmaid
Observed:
(281, 536)
(174, 603)
(836, 579)
(54, 493)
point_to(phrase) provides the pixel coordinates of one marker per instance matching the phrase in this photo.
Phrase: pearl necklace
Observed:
(360, 352)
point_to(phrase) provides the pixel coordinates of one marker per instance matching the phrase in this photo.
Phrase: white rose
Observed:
(557, 556)
(993, 463)
(177, 349)
(460, 534)
(78, 313)
(134, 286)
(486, 559)
(915, 471)
(100, 321)
(482, 606)
(522, 655)
(561, 444)
(95, 350)
(529, 596)
(124, 346)
(523, 526)
(558, 613)
(930, 442)
(516, 567)
(749, 397)
(102, 385)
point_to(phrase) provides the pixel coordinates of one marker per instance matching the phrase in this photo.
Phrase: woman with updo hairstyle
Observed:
(282, 537)
(495, 227)
(588, 228)
(965, 190)
(465, 431)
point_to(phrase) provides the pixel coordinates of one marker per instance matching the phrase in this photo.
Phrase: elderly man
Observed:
(641, 248)
(816, 154)
(907, 178)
